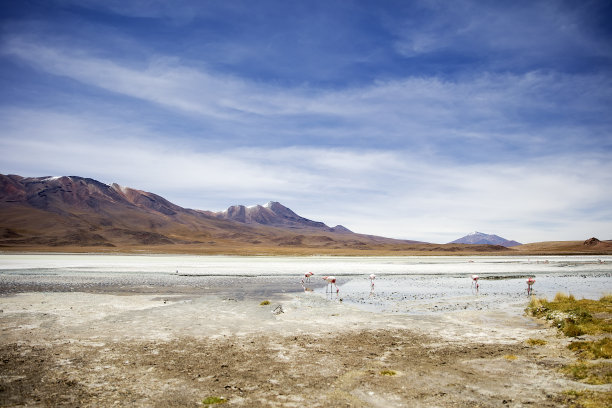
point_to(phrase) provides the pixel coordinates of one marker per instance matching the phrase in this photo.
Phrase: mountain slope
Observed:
(80, 212)
(479, 238)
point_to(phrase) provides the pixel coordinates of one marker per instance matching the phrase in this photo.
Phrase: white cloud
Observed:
(384, 192)
(181, 11)
(487, 106)
(513, 36)
(399, 182)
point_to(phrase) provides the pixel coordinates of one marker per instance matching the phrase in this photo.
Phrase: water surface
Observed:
(402, 284)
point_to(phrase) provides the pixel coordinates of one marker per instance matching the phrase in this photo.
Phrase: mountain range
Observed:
(479, 238)
(78, 212)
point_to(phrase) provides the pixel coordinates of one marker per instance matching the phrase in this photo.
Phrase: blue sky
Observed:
(411, 119)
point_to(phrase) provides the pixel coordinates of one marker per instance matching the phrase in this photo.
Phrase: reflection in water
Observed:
(372, 277)
(530, 282)
(475, 285)
(306, 289)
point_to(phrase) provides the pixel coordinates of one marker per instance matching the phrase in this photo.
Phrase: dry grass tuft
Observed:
(213, 400)
(574, 317)
(562, 297)
(593, 350)
(588, 399)
(596, 374)
(536, 342)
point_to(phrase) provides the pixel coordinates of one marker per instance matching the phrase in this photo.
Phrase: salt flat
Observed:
(103, 330)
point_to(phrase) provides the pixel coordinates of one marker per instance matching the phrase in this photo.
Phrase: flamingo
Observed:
(307, 276)
(331, 280)
(530, 283)
(372, 277)
(475, 282)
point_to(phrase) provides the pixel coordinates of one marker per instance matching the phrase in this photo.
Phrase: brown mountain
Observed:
(82, 214)
(591, 246)
(62, 212)
(274, 214)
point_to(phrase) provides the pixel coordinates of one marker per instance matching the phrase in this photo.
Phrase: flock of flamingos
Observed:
(331, 283)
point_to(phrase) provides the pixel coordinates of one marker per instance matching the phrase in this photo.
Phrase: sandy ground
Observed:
(161, 347)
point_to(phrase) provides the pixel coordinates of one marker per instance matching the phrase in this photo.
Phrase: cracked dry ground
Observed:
(384, 368)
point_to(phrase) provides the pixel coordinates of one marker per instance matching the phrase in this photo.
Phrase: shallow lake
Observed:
(402, 284)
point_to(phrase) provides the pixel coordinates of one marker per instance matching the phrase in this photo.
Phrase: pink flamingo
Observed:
(307, 276)
(372, 277)
(530, 283)
(475, 282)
(331, 280)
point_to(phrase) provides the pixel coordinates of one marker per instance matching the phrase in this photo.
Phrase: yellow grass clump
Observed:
(213, 400)
(596, 374)
(593, 350)
(588, 399)
(536, 342)
(575, 317)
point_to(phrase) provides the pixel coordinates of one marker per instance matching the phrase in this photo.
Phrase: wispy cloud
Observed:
(503, 36)
(373, 191)
(501, 108)
(422, 120)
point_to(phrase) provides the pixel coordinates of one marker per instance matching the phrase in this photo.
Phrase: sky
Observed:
(421, 120)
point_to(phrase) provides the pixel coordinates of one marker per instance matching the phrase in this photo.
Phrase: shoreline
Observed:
(561, 248)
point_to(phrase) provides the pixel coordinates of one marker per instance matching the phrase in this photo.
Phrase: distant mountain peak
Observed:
(479, 238)
(274, 214)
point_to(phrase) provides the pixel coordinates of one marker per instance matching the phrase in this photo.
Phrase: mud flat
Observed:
(103, 349)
